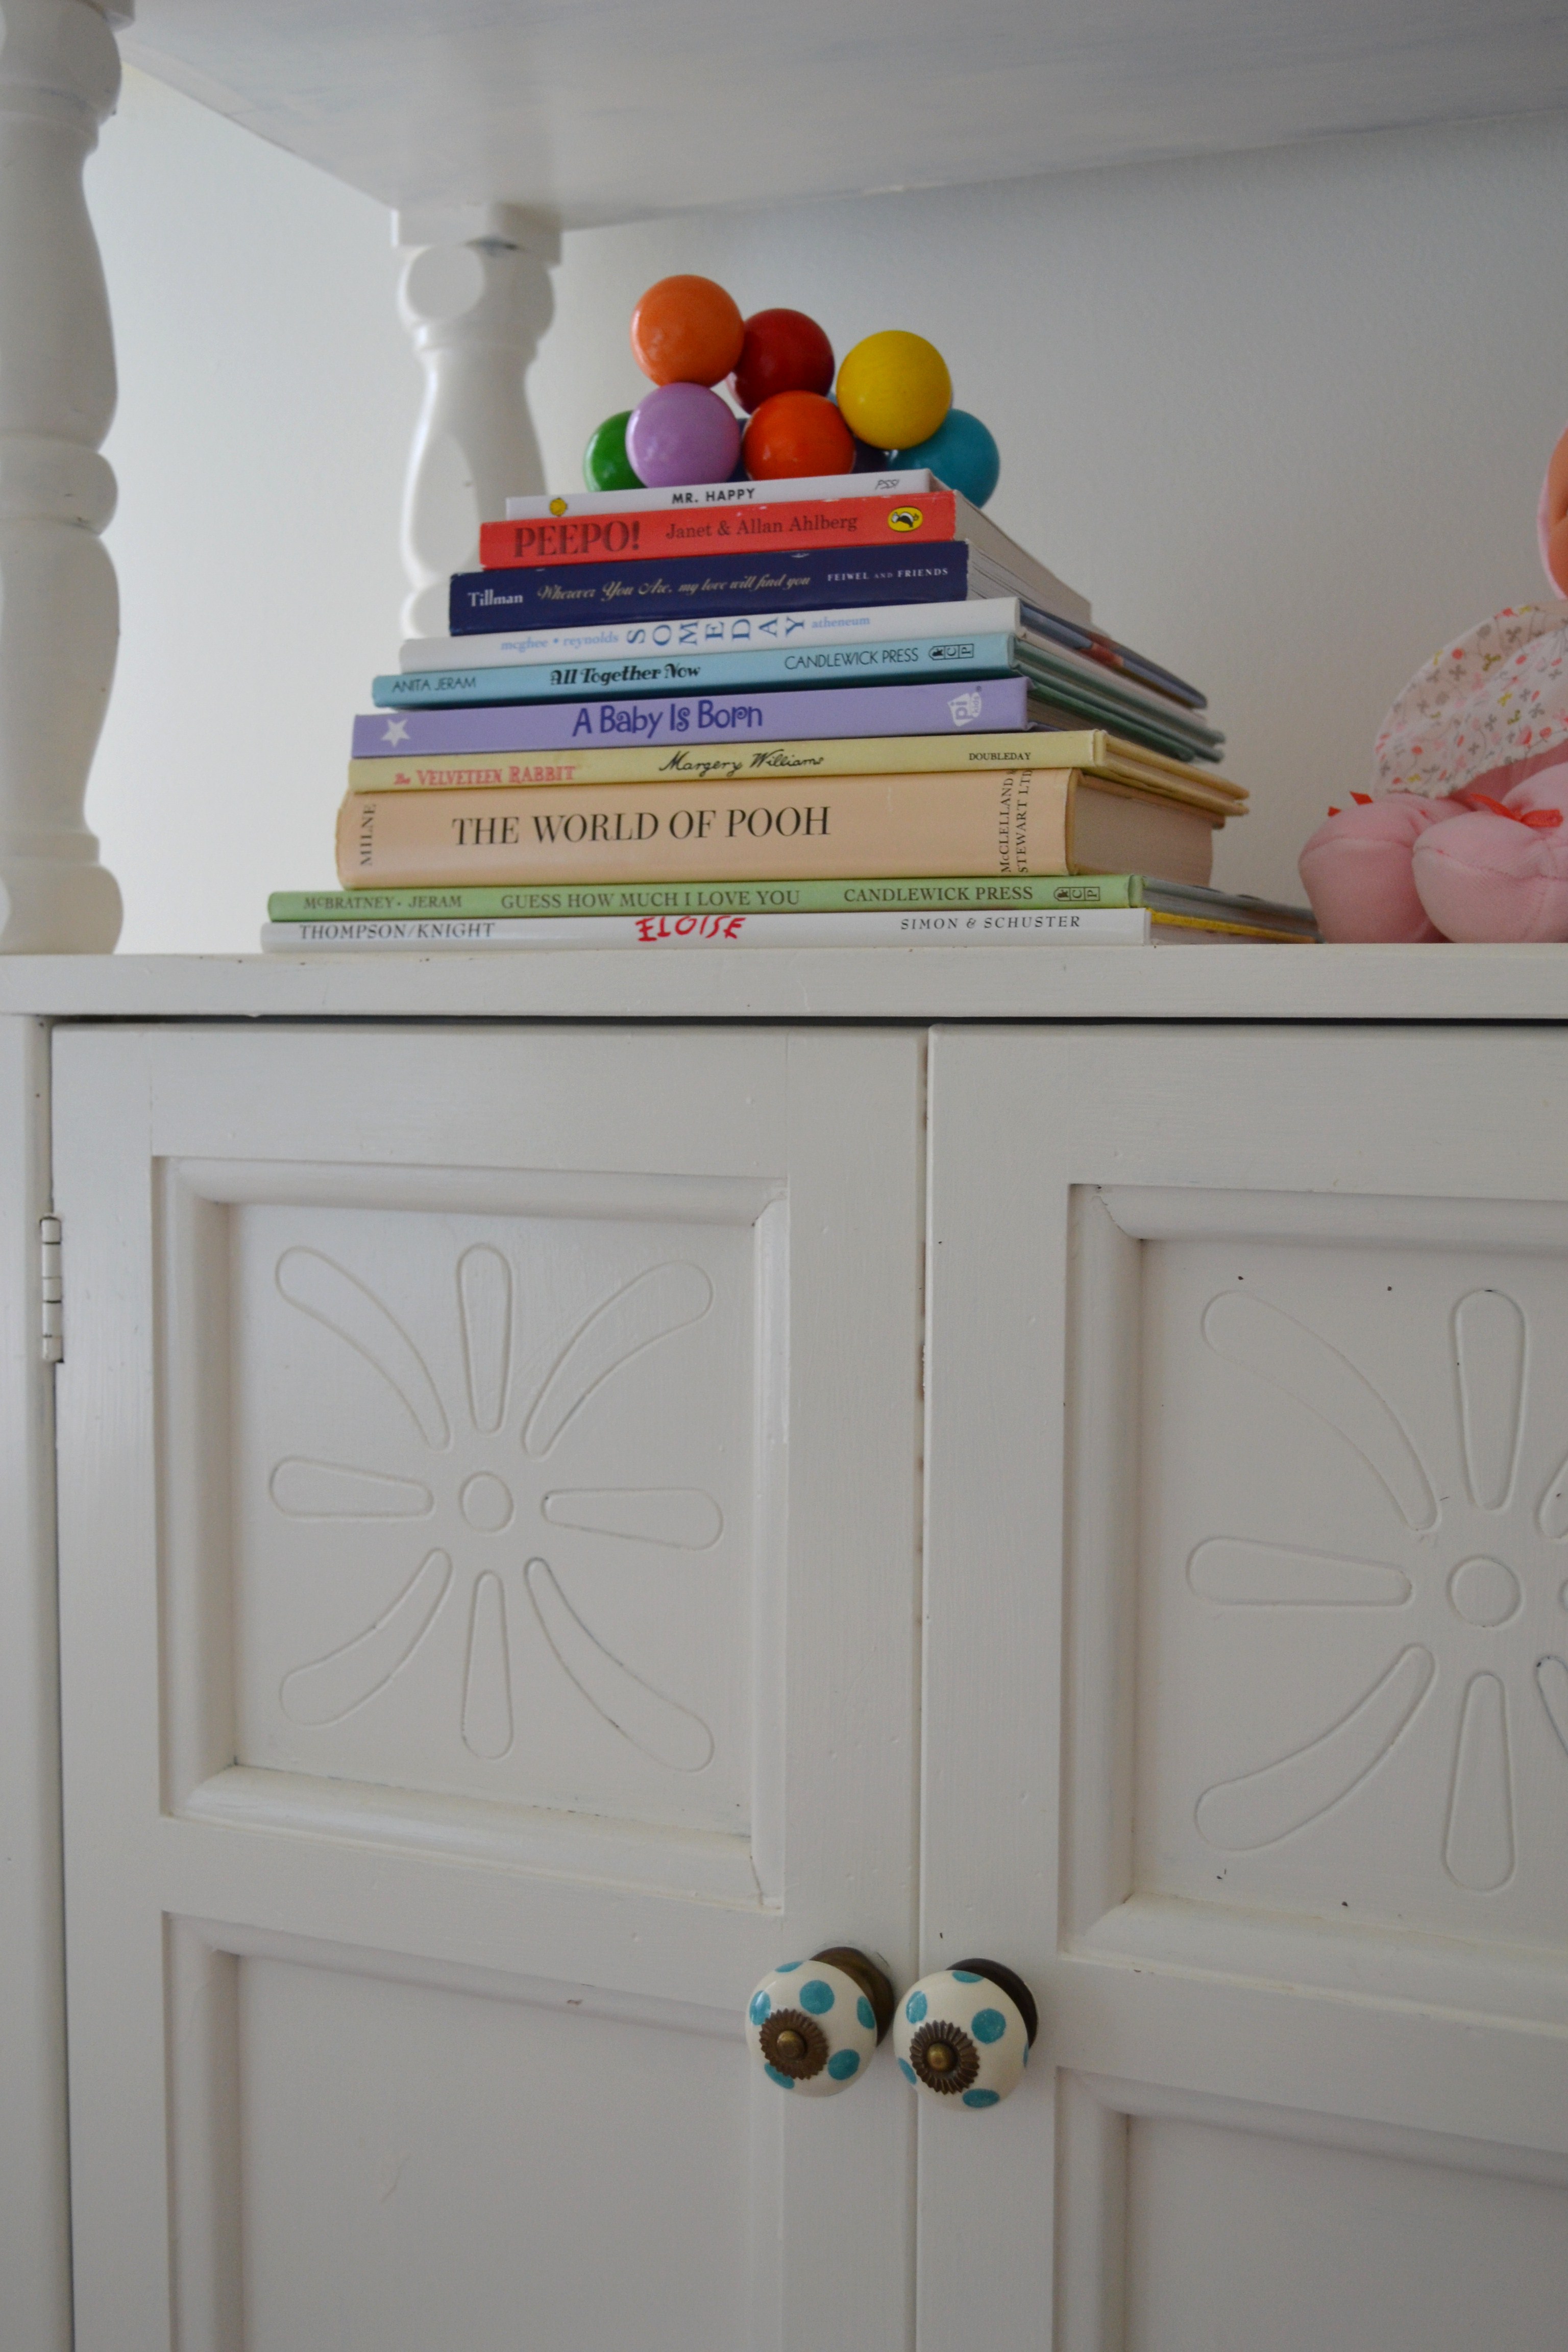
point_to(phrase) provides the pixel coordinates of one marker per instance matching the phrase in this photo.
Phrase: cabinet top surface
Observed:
(1024, 983)
(584, 114)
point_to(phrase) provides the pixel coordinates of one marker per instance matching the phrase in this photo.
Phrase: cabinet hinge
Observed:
(51, 1292)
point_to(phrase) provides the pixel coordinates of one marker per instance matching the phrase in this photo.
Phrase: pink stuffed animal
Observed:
(1464, 834)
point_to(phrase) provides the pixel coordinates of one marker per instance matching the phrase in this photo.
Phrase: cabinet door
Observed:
(489, 1543)
(1246, 1685)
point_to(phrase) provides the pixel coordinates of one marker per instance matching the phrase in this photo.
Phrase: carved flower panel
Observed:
(493, 1507)
(1353, 1692)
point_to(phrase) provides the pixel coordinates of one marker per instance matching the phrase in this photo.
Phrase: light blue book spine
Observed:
(907, 660)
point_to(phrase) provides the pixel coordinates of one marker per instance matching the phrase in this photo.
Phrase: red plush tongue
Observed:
(1539, 820)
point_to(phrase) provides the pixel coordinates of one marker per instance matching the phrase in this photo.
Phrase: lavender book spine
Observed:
(971, 706)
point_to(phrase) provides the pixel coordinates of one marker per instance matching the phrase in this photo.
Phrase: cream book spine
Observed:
(995, 822)
(851, 755)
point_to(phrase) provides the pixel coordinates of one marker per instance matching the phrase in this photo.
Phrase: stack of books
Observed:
(847, 711)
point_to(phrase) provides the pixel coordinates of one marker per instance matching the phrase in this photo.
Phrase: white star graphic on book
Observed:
(397, 729)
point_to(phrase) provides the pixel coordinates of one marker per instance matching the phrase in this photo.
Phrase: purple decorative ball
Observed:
(682, 433)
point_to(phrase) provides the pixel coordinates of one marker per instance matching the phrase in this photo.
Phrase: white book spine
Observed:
(908, 484)
(731, 632)
(988, 927)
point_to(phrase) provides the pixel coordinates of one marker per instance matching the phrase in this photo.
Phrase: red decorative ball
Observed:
(687, 331)
(796, 433)
(783, 351)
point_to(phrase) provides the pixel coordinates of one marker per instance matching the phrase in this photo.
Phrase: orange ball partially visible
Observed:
(687, 331)
(1553, 519)
(796, 435)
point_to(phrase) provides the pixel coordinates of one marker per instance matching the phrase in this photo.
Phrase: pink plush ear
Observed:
(1493, 874)
(1356, 869)
(1552, 519)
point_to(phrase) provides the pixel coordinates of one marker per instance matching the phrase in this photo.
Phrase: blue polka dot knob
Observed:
(964, 2034)
(814, 2024)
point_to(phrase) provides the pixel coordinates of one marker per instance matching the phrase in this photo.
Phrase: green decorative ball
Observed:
(606, 465)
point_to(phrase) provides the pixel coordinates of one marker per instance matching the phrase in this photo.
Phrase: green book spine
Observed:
(813, 898)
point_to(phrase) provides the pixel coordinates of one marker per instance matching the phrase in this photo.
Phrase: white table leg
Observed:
(476, 297)
(59, 608)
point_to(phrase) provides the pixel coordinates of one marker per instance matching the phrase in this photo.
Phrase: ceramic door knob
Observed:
(964, 2034)
(814, 2024)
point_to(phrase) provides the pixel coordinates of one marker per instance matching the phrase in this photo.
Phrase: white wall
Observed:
(1283, 417)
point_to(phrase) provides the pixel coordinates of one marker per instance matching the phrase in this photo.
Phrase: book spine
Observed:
(718, 763)
(650, 536)
(1009, 821)
(713, 766)
(1118, 927)
(910, 660)
(683, 585)
(879, 895)
(824, 712)
(716, 633)
(896, 483)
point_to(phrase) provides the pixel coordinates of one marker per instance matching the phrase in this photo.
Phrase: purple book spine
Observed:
(967, 706)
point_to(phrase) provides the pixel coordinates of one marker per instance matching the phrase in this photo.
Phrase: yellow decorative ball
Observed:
(894, 389)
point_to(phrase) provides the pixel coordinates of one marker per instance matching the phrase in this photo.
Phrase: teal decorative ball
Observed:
(962, 452)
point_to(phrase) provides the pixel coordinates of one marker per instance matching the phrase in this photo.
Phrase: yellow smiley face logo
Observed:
(905, 519)
(557, 506)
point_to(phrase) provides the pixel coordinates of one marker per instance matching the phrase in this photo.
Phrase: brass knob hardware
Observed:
(964, 2035)
(814, 2024)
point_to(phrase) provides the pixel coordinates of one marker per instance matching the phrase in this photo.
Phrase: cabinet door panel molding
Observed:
(493, 1666)
(1243, 1515)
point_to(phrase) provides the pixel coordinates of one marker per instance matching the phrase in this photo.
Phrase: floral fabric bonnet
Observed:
(1487, 712)
(1491, 711)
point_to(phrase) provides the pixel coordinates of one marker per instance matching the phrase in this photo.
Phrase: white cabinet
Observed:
(1244, 1676)
(555, 1519)
(489, 1561)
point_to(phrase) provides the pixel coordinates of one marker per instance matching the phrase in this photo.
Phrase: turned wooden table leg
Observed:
(59, 608)
(476, 297)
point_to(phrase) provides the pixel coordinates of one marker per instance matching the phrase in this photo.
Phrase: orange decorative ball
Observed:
(687, 331)
(1553, 519)
(796, 433)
